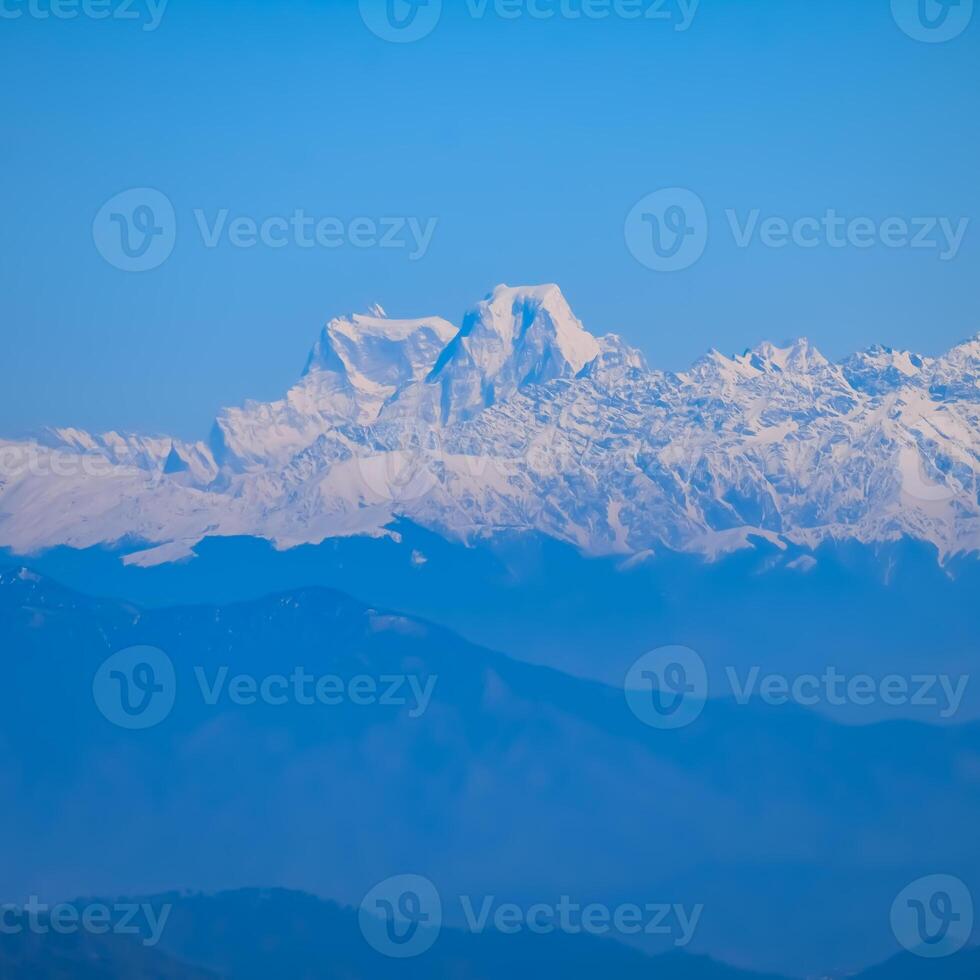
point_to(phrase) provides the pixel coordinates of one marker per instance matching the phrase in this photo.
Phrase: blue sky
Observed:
(527, 140)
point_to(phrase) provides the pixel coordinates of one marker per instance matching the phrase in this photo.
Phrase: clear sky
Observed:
(528, 139)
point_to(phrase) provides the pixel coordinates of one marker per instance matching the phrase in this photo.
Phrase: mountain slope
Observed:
(254, 934)
(965, 965)
(29, 956)
(794, 833)
(522, 420)
(358, 364)
(514, 339)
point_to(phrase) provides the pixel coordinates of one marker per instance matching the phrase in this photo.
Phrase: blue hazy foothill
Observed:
(518, 781)
(877, 609)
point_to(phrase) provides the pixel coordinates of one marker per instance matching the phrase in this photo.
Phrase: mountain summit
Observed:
(515, 338)
(522, 420)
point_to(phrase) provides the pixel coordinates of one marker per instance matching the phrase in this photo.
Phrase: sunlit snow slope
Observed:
(521, 419)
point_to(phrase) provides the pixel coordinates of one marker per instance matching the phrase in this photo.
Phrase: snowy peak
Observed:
(617, 362)
(956, 375)
(518, 336)
(121, 451)
(963, 358)
(536, 321)
(523, 420)
(519, 313)
(358, 365)
(377, 355)
(879, 370)
(800, 357)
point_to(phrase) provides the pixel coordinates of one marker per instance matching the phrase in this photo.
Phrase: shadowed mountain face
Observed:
(489, 777)
(865, 610)
(963, 966)
(522, 420)
(253, 935)
(87, 957)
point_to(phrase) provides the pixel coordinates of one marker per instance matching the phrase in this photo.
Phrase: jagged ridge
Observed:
(521, 419)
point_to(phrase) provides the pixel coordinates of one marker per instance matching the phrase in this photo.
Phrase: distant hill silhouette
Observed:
(259, 934)
(87, 957)
(518, 782)
(965, 965)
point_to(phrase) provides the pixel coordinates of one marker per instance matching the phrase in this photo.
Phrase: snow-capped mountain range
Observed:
(523, 420)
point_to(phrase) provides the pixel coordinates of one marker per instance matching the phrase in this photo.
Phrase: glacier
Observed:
(522, 420)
